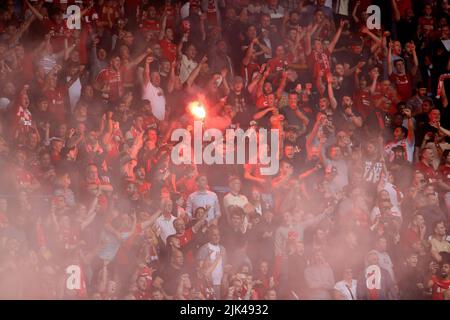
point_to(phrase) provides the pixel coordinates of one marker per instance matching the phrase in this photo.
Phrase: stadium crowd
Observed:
(92, 205)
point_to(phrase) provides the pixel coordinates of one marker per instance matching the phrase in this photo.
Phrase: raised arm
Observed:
(25, 26)
(260, 85)
(194, 74)
(309, 32)
(313, 134)
(226, 87)
(133, 63)
(355, 9)
(173, 78)
(253, 84)
(336, 37)
(443, 94)
(148, 61)
(302, 117)
(92, 212)
(137, 145)
(310, 222)
(249, 52)
(67, 50)
(163, 26)
(333, 102)
(199, 224)
(389, 59)
(373, 86)
(203, 18)
(34, 11)
(408, 115)
(260, 114)
(415, 66)
(282, 85)
(265, 49)
(108, 119)
(151, 220)
(395, 12)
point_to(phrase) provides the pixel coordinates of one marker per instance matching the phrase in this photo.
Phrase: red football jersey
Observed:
(439, 287)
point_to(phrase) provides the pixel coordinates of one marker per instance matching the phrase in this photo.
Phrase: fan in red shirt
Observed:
(361, 98)
(212, 11)
(55, 95)
(141, 182)
(427, 21)
(57, 25)
(23, 178)
(128, 65)
(109, 81)
(403, 83)
(186, 236)
(143, 290)
(281, 60)
(386, 97)
(319, 56)
(403, 5)
(89, 14)
(109, 12)
(21, 119)
(150, 21)
(169, 49)
(402, 79)
(242, 288)
(415, 232)
(264, 281)
(168, 13)
(444, 169)
(93, 184)
(426, 165)
(440, 284)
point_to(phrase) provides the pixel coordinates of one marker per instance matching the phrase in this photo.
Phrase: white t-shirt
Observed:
(187, 66)
(234, 200)
(156, 97)
(404, 143)
(74, 93)
(376, 212)
(329, 4)
(217, 273)
(48, 62)
(341, 178)
(342, 8)
(184, 10)
(165, 227)
(341, 286)
(393, 194)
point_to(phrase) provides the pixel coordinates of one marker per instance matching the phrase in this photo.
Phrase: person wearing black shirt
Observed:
(293, 115)
(236, 233)
(240, 100)
(412, 278)
(172, 273)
